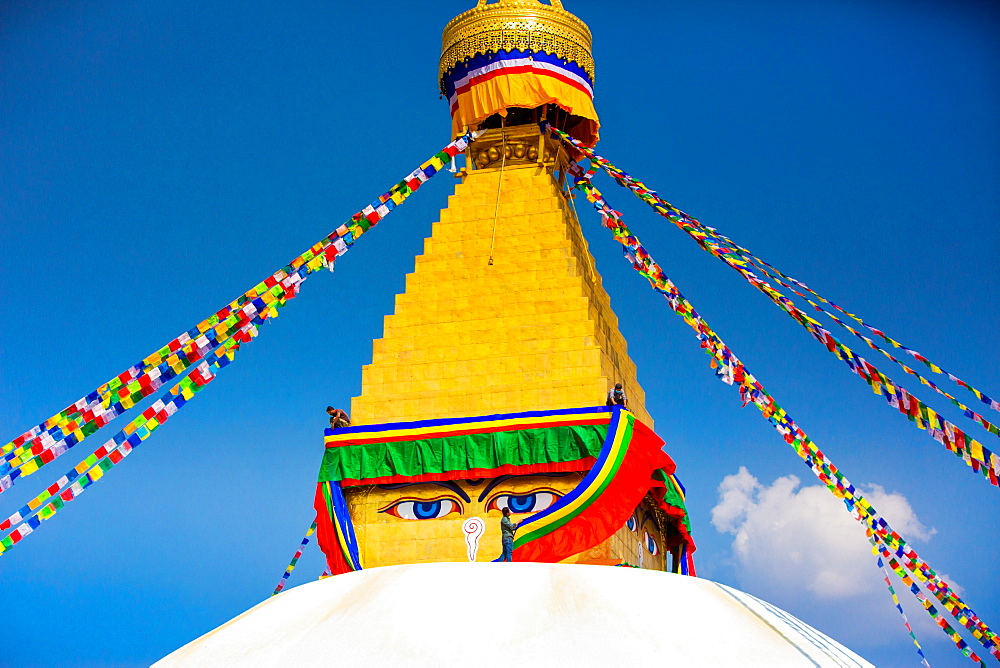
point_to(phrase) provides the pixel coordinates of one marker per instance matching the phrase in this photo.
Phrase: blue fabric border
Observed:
(481, 60)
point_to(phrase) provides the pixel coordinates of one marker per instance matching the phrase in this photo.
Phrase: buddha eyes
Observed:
(436, 508)
(631, 524)
(523, 503)
(423, 509)
(650, 542)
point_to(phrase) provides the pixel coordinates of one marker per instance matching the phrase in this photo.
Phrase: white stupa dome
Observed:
(520, 614)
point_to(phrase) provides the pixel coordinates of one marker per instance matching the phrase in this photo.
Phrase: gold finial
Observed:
(516, 24)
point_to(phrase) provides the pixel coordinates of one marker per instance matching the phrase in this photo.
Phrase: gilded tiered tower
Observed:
(504, 311)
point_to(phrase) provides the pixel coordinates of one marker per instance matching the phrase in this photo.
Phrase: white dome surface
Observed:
(520, 614)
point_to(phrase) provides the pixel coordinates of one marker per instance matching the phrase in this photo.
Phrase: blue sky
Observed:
(161, 158)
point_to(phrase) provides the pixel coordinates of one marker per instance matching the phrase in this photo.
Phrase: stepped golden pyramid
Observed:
(505, 311)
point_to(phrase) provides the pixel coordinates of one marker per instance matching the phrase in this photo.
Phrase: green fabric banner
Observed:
(460, 453)
(672, 497)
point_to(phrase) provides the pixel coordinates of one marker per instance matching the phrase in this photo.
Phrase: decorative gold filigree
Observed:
(516, 24)
(517, 145)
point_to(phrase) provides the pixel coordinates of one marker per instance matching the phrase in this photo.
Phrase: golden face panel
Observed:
(428, 522)
(640, 542)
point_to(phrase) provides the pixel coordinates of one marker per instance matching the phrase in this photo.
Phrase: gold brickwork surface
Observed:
(532, 331)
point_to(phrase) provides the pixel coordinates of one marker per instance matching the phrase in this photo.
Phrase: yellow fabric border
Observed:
(527, 90)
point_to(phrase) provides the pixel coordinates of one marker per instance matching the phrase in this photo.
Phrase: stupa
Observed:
(488, 391)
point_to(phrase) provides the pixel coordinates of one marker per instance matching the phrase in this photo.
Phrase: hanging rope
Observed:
(295, 559)
(496, 206)
(980, 458)
(43, 443)
(731, 371)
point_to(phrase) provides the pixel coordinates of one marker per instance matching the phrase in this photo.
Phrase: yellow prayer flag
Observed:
(96, 474)
(30, 467)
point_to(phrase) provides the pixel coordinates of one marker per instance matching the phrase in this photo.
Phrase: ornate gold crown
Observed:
(517, 24)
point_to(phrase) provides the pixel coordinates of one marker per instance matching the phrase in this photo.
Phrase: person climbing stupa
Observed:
(616, 396)
(338, 417)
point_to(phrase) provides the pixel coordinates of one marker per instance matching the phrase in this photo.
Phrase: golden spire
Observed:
(510, 25)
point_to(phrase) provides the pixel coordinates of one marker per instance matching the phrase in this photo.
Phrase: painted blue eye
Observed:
(651, 545)
(422, 510)
(631, 523)
(524, 503)
(520, 504)
(425, 510)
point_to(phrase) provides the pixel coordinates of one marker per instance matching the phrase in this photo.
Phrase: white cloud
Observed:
(790, 539)
(798, 548)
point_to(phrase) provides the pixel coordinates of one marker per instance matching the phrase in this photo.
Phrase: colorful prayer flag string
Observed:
(41, 444)
(121, 445)
(250, 316)
(992, 403)
(731, 370)
(942, 623)
(895, 600)
(967, 411)
(93, 467)
(980, 458)
(295, 559)
(722, 246)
